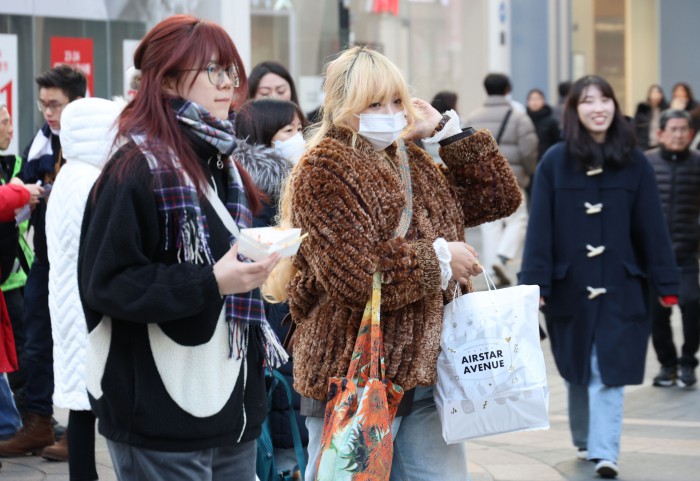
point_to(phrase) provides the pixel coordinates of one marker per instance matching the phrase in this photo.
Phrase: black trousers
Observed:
(81, 446)
(689, 303)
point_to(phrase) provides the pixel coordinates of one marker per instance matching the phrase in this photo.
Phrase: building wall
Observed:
(642, 50)
(530, 61)
(678, 27)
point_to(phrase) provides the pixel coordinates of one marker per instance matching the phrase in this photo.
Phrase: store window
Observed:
(41, 41)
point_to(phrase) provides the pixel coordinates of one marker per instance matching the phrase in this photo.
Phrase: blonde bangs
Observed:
(372, 78)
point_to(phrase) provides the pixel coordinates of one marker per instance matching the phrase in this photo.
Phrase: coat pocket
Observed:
(632, 301)
(561, 303)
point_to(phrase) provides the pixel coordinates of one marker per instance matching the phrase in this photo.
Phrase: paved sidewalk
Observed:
(660, 439)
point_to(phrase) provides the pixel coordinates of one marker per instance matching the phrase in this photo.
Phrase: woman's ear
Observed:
(170, 86)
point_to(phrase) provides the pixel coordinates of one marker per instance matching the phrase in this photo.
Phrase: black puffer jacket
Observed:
(678, 177)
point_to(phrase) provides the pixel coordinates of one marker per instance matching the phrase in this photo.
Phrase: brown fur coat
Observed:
(350, 201)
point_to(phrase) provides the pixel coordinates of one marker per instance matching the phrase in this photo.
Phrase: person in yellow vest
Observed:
(16, 255)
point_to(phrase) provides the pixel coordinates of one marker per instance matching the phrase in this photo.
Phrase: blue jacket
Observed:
(593, 244)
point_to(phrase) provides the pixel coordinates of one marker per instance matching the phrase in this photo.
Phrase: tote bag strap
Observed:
(223, 212)
(369, 337)
(296, 435)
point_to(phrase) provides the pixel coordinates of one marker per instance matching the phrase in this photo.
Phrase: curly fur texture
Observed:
(267, 168)
(350, 201)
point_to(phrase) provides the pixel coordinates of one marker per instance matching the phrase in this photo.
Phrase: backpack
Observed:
(265, 461)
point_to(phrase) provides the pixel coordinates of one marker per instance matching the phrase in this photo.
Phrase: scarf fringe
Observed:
(274, 353)
(191, 242)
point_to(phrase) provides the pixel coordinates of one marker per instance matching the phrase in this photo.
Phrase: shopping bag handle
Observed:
(489, 284)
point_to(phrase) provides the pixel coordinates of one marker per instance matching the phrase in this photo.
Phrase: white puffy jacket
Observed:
(87, 133)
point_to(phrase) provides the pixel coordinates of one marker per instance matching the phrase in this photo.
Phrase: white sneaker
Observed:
(582, 454)
(606, 469)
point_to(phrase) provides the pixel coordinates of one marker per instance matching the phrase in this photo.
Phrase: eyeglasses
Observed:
(215, 72)
(54, 107)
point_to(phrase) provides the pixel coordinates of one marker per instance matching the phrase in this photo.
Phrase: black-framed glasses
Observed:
(54, 107)
(216, 72)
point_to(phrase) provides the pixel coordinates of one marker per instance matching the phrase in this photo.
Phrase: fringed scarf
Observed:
(187, 229)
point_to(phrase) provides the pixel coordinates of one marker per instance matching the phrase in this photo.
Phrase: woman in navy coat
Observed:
(596, 237)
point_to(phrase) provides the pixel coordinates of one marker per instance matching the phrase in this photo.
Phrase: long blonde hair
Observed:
(355, 80)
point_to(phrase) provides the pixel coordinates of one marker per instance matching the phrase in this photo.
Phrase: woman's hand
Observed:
(234, 276)
(427, 120)
(35, 192)
(465, 261)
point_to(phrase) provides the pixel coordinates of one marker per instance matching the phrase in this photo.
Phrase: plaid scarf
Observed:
(187, 230)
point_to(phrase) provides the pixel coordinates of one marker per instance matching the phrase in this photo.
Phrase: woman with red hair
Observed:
(177, 332)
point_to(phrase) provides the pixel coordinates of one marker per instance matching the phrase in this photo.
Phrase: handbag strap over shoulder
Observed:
(503, 126)
(405, 174)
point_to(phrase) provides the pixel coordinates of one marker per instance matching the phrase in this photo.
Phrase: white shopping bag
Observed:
(491, 371)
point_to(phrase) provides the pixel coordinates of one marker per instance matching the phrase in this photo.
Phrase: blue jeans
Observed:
(9, 417)
(38, 347)
(595, 415)
(216, 464)
(420, 451)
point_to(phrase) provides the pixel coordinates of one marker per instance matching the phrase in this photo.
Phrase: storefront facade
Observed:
(439, 44)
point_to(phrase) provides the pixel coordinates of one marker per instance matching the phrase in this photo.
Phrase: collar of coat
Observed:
(674, 156)
(266, 166)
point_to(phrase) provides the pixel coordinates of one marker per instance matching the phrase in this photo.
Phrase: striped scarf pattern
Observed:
(187, 229)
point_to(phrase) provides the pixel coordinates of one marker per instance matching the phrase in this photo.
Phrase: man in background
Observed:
(517, 140)
(677, 171)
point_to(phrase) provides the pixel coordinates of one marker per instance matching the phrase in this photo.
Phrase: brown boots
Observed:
(57, 451)
(35, 434)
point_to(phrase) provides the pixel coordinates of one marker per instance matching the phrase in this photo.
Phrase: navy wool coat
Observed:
(594, 241)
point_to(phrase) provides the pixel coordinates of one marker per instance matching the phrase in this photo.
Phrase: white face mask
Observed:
(382, 130)
(291, 149)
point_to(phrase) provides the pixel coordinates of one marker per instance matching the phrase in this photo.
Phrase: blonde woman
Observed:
(347, 193)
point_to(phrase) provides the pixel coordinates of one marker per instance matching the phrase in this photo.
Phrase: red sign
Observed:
(76, 52)
(381, 6)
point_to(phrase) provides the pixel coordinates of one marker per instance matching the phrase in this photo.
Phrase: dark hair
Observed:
(497, 84)
(70, 80)
(257, 121)
(616, 150)
(264, 68)
(563, 88)
(536, 91)
(663, 104)
(689, 92)
(444, 101)
(669, 114)
(174, 45)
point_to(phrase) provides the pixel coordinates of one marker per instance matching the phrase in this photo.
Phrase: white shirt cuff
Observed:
(451, 128)
(444, 257)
